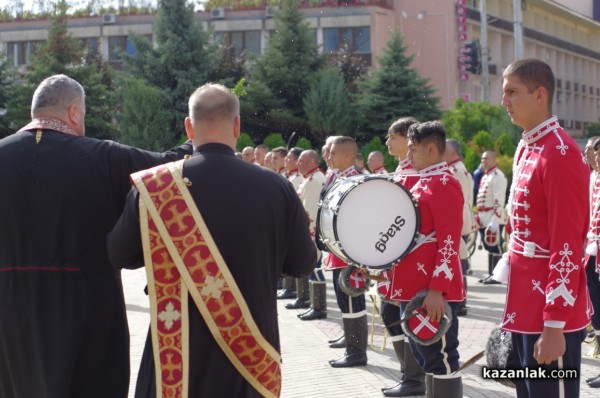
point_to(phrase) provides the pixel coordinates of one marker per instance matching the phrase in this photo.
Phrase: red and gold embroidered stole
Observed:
(181, 258)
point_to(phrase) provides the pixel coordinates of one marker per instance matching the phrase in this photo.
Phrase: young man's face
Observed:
(418, 154)
(523, 107)
(397, 145)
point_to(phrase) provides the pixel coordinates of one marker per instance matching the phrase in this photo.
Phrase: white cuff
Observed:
(554, 324)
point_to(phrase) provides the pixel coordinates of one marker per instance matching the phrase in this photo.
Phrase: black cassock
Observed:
(63, 328)
(260, 227)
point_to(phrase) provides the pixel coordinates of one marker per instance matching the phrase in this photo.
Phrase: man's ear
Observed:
(237, 126)
(189, 130)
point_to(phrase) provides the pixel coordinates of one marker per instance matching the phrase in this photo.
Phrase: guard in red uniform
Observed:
(434, 263)
(548, 211)
(354, 312)
(412, 380)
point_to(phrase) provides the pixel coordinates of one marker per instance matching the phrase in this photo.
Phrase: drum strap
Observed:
(182, 259)
(423, 239)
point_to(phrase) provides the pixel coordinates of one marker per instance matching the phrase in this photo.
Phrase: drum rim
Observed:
(366, 178)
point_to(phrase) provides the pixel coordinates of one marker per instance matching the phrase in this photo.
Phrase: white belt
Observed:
(527, 248)
(423, 239)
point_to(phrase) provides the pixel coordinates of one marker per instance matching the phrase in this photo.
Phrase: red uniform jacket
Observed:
(549, 213)
(434, 264)
(407, 176)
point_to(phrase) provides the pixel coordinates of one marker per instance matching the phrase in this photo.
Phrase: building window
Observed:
(20, 52)
(118, 45)
(358, 39)
(90, 45)
(241, 41)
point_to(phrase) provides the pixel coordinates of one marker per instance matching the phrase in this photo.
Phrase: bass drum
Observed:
(369, 221)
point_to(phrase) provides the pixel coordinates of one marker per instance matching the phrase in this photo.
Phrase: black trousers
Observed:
(593, 283)
(492, 249)
(441, 357)
(522, 356)
(346, 303)
(390, 314)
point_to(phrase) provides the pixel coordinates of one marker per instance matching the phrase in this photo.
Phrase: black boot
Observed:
(341, 343)
(302, 293)
(318, 298)
(336, 339)
(399, 350)
(289, 285)
(355, 330)
(446, 388)
(413, 382)
(490, 268)
(462, 306)
(494, 260)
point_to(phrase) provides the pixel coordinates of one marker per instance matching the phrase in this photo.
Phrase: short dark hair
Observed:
(428, 132)
(347, 142)
(400, 126)
(296, 152)
(282, 151)
(534, 73)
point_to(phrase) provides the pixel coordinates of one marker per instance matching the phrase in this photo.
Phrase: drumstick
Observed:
(403, 319)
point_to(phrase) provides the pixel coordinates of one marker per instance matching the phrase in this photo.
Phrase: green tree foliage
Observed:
(327, 106)
(183, 60)
(243, 141)
(394, 90)
(304, 143)
(274, 140)
(282, 76)
(375, 144)
(468, 118)
(7, 79)
(592, 130)
(504, 145)
(143, 122)
(483, 141)
(63, 54)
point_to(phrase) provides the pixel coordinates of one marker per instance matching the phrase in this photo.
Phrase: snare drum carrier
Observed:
(368, 221)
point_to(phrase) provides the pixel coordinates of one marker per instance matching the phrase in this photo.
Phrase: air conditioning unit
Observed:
(217, 13)
(108, 19)
(270, 11)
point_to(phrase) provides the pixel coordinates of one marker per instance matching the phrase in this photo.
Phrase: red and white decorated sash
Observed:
(181, 258)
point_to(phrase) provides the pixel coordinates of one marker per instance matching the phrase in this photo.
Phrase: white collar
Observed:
(540, 130)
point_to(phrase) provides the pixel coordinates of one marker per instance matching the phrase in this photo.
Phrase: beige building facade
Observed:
(564, 33)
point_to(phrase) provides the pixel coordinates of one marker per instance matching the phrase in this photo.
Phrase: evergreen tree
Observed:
(144, 123)
(395, 90)
(7, 78)
(63, 54)
(282, 76)
(327, 106)
(183, 60)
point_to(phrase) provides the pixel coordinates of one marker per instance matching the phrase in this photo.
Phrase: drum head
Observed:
(376, 223)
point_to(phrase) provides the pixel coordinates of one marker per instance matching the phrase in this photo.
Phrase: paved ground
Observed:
(305, 353)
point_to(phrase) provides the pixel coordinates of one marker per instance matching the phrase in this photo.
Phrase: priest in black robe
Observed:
(258, 224)
(63, 326)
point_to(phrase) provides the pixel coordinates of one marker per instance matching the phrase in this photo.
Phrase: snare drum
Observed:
(369, 221)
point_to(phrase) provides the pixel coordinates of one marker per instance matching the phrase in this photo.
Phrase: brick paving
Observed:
(305, 352)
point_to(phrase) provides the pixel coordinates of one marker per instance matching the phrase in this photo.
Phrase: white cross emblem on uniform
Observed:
(425, 323)
(212, 286)
(422, 268)
(355, 280)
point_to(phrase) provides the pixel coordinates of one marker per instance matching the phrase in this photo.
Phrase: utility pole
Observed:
(518, 28)
(485, 53)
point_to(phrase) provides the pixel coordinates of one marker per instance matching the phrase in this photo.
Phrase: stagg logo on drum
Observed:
(381, 244)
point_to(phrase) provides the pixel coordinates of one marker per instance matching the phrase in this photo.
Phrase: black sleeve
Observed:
(301, 255)
(124, 241)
